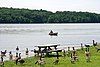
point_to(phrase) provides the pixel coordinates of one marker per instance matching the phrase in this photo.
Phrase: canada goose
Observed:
(94, 44)
(3, 53)
(10, 55)
(17, 48)
(21, 61)
(27, 51)
(87, 45)
(56, 61)
(1, 62)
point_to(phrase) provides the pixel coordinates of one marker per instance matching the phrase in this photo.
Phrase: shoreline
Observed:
(63, 60)
(31, 53)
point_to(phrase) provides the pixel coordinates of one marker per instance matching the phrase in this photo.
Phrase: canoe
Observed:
(53, 34)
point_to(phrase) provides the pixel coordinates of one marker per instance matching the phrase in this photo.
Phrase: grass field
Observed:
(63, 61)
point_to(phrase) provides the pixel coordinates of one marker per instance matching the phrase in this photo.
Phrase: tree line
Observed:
(16, 15)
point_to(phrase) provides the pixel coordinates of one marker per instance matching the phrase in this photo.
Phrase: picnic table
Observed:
(47, 49)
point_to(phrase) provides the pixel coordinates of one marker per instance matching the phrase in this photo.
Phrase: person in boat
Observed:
(51, 31)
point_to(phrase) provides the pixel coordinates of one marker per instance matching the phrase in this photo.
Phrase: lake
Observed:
(30, 35)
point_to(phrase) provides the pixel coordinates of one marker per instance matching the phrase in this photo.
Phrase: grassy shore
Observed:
(63, 61)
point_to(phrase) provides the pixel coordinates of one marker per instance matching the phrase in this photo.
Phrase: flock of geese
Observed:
(17, 58)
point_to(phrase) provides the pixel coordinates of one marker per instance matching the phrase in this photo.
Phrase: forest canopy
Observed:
(16, 15)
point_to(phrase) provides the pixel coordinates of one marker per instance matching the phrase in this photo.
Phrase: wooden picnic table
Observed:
(47, 49)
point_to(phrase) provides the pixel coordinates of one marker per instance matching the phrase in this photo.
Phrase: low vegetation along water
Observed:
(30, 35)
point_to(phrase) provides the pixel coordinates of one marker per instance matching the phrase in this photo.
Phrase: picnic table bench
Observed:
(47, 49)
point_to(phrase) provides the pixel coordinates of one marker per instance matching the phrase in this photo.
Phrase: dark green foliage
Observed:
(16, 15)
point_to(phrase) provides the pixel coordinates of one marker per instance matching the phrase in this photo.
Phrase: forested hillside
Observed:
(16, 15)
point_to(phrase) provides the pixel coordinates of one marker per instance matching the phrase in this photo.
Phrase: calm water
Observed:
(30, 35)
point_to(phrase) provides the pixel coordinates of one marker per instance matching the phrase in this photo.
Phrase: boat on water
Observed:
(53, 34)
